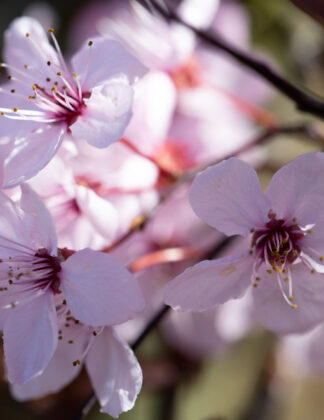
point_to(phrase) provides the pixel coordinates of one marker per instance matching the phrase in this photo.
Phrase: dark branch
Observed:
(304, 101)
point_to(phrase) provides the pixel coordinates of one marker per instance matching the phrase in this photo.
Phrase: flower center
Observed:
(49, 266)
(278, 243)
(55, 94)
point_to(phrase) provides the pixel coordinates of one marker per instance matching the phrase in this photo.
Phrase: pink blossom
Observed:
(285, 259)
(47, 99)
(37, 279)
(113, 369)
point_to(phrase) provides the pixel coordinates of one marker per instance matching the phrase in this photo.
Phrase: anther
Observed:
(276, 268)
(59, 73)
(286, 279)
(48, 63)
(75, 75)
(48, 79)
(269, 271)
(94, 333)
(322, 258)
(76, 362)
(12, 91)
(9, 77)
(294, 220)
(258, 278)
(90, 43)
(294, 306)
(255, 285)
(15, 109)
(291, 298)
(26, 66)
(34, 86)
(313, 271)
(2, 113)
(51, 30)
(70, 341)
(27, 34)
(251, 252)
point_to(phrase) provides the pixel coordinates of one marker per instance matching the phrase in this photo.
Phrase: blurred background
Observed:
(257, 377)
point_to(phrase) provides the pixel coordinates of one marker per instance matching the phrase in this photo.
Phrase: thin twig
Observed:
(304, 101)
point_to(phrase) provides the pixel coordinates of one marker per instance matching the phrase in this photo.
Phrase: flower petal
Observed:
(99, 290)
(210, 283)
(29, 153)
(228, 197)
(108, 59)
(30, 338)
(275, 313)
(60, 370)
(106, 115)
(33, 50)
(297, 190)
(38, 221)
(115, 373)
(99, 212)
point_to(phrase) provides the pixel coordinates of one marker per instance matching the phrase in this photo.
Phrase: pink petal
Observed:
(60, 370)
(107, 60)
(30, 152)
(154, 103)
(13, 233)
(228, 197)
(106, 115)
(99, 290)
(115, 373)
(209, 283)
(34, 50)
(99, 212)
(296, 190)
(38, 221)
(30, 338)
(275, 313)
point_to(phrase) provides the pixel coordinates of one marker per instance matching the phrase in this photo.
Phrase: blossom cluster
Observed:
(91, 148)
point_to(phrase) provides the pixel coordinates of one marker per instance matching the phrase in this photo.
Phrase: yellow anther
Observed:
(313, 271)
(34, 87)
(309, 231)
(27, 34)
(26, 66)
(258, 278)
(286, 279)
(51, 30)
(75, 75)
(31, 97)
(284, 270)
(59, 73)
(255, 285)
(54, 88)
(294, 306)
(322, 258)
(291, 298)
(276, 268)
(2, 113)
(15, 109)
(76, 362)
(269, 271)
(90, 43)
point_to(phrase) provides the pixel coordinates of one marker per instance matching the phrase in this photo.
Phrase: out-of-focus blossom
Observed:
(284, 261)
(37, 279)
(113, 369)
(47, 99)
